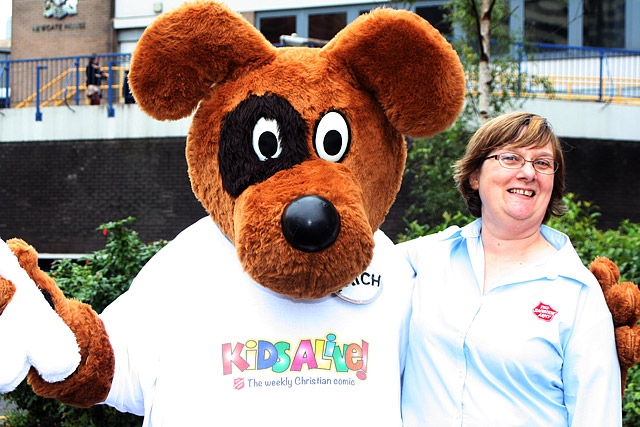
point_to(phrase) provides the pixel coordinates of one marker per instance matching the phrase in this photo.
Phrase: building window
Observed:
(325, 23)
(435, 16)
(545, 21)
(325, 26)
(273, 28)
(603, 23)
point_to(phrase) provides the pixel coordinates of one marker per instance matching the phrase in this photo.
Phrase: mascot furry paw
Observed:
(286, 302)
(38, 336)
(623, 299)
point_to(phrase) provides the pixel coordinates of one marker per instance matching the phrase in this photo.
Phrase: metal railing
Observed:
(581, 73)
(574, 74)
(47, 82)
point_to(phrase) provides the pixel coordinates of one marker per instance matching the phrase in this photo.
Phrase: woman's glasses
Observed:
(544, 165)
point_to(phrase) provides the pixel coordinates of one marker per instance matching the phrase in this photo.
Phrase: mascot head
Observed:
(297, 153)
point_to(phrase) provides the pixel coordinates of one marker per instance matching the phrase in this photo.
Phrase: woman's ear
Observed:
(474, 180)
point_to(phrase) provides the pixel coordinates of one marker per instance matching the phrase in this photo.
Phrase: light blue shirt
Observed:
(536, 350)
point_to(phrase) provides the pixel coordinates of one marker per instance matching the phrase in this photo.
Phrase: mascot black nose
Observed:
(310, 223)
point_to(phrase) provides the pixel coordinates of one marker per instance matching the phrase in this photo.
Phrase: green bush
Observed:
(428, 174)
(414, 229)
(96, 280)
(631, 399)
(620, 245)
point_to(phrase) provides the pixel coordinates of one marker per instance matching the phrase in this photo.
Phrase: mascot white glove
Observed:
(31, 333)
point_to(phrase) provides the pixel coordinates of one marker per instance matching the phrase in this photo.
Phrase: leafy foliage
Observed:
(620, 245)
(102, 277)
(631, 399)
(429, 175)
(96, 280)
(415, 230)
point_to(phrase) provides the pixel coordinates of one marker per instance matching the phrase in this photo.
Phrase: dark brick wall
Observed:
(606, 173)
(393, 224)
(55, 194)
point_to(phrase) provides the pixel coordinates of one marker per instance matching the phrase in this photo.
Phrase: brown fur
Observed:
(7, 290)
(91, 382)
(623, 300)
(389, 73)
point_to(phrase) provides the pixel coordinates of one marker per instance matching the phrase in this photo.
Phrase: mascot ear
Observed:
(412, 70)
(186, 51)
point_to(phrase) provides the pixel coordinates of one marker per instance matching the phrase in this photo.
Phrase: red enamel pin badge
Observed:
(544, 312)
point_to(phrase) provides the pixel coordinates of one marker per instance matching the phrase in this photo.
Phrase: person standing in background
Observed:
(95, 75)
(126, 90)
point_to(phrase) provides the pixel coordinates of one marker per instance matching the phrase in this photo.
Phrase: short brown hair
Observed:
(517, 129)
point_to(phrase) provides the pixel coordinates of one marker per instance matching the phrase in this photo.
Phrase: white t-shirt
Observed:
(198, 343)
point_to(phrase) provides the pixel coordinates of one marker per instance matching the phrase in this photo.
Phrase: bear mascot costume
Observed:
(286, 305)
(623, 300)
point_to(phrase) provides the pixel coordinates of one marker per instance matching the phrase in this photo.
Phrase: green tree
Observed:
(429, 177)
(428, 173)
(96, 280)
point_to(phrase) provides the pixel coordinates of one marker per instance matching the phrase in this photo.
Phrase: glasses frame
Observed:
(498, 157)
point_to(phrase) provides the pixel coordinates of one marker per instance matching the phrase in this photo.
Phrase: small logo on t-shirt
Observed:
(544, 312)
(238, 383)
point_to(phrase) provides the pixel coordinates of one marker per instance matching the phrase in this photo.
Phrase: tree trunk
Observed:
(484, 71)
(482, 19)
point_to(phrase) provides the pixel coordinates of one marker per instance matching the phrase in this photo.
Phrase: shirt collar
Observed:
(560, 265)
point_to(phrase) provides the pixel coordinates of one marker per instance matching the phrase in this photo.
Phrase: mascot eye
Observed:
(332, 137)
(266, 139)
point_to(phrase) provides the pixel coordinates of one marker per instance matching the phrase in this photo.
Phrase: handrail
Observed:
(42, 89)
(65, 95)
(62, 95)
(575, 74)
(62, 80)
(593, 74)
(39, 68)
(7, 88)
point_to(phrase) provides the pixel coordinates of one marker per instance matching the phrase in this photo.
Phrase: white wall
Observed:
(569, 119)
(85, 122)
(592, 120)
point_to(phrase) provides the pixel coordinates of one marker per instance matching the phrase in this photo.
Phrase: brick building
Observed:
(83, 30)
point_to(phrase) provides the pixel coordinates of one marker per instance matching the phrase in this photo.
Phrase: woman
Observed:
(508, 327)
(94, 80)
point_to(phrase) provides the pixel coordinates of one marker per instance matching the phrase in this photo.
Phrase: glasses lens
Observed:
(515, 161)
(547, 166)
(510, 160)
